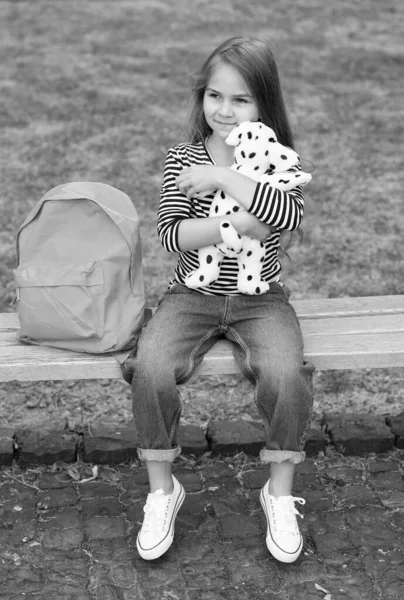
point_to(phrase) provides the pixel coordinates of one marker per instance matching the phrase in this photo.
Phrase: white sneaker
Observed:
(284, 539)
(157, 532)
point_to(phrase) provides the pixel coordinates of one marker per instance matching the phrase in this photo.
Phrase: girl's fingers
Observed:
(183, 184)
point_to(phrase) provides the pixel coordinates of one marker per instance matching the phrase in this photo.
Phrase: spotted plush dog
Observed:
(261, 157)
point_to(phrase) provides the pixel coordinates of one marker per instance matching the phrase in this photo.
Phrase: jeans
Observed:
(268, 348)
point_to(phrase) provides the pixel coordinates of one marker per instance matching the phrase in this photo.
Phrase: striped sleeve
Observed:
(174, 205)
(283, 210)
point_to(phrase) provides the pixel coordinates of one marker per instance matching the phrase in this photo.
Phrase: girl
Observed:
(238, 82)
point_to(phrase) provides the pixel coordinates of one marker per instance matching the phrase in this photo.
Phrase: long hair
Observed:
(255, 62)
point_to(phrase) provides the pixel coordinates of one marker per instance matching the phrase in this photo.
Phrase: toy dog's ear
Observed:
(234, 137)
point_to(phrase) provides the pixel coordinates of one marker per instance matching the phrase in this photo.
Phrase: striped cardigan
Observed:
(283, 210)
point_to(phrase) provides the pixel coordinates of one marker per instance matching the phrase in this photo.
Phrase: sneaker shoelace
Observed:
(284, 512)
(156, 512)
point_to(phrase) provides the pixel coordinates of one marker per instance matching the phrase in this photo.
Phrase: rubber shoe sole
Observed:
(162, 547)
(275, 550)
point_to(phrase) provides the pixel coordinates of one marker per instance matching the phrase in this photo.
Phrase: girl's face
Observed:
(227, 101)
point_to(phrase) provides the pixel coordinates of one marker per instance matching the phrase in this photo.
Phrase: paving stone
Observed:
(353, 495)
(332, 542)
(6, 446)
(54, 481)
(121, 575)
(101, 507)
(105, 528)
(199, 550)
(114, 550)
(396, 424)
(16, 490)
(66, 577)
(260, 574)
(248, 593)
(307, 590)
(255, 478)
(387, 482)
(222, 472)
(135, 513)
(225, 594)
(13, 536)
(303, 483)
(247, 549)
(379, 465)
(112, 444)
(192, 440)
(250, 563)
(229, 437)
(369, 527)
(198, 525)
(64, 539)
(23, 510)
(160, 579)
(340, 475)
(392, 586)
(351, 586)
(39, 448)
(191, 480)
(397, 520)
(68, 518)
(384, 564)
(193, 504)
(113, 592)
(52, 591)
(224, 504)
(63, 591)
(358, 433)
(96, 490)
(209, 575)
(317, 500)
(23, 578)
(329, 533)
(57, 498)
(392, 499)
(233, 526)
(304, 569)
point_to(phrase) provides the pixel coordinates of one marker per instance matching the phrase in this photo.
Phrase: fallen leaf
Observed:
(73, 472)
(327, 596)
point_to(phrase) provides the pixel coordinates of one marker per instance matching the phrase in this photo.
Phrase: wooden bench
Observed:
(339, 333)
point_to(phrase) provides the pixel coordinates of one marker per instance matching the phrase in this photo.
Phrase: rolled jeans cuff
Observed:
(159, 455)
(279, 456)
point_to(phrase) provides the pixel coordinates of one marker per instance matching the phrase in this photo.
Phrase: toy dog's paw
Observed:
(231, 238)
(195, 280)
(253, 288)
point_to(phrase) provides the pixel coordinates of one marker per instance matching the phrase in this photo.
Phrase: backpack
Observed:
(79, 278)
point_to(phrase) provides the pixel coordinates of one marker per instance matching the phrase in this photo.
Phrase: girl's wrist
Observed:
(239, 221)
(221, 177)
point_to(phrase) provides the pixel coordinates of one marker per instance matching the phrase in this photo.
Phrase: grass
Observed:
(98, 90)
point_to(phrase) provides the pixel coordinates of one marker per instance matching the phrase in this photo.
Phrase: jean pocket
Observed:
(279, 288)
(172, 288)
(286, 290)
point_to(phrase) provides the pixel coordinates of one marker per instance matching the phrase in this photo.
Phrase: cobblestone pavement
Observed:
(66, 538)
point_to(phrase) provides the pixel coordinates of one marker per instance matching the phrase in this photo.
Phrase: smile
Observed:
(226, 124)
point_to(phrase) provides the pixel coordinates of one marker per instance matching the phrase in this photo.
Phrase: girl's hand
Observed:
(198, 179)
(248, 224)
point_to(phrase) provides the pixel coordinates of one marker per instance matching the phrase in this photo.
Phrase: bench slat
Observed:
(33, 363)
(325, 326)
(339, 333)
(314, 308)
